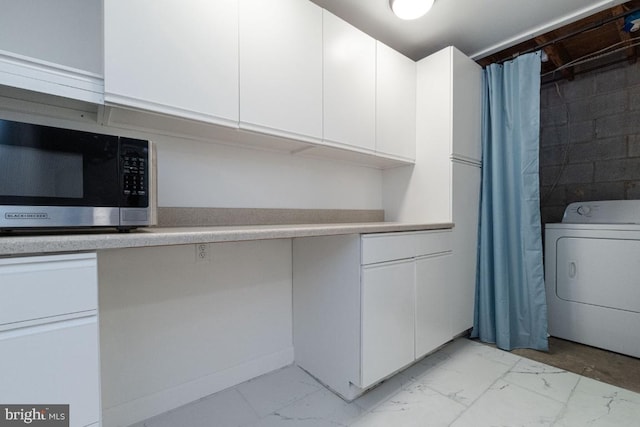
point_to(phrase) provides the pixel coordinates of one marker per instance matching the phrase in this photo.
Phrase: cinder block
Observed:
(580, 110)
(549, 175)
(633, 142)
(551, 214)
(601, 149)
(553, 115)
(618, 124)
(632, 190)
(607, 190)
(554, 135)
(608, 103)
(554, 155)
(581, 131)
(583, 86)
(634, 98)
(578, 192)
(617, 170)
(581, 173)
(554, 93)
(633, 74)
(553, 196)
(611, 79)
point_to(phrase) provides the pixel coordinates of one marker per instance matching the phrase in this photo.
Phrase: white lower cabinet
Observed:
(365, 307)
(433, 303)
(388, 307)
(49, 344)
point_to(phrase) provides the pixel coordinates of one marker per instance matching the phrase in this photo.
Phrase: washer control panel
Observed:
(603, 212)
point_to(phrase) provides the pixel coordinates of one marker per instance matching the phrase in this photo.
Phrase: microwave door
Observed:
(57, 177)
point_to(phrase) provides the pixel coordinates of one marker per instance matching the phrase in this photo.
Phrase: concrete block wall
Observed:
(590, 139)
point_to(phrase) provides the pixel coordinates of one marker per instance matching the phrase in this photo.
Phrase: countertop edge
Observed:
(159, 236)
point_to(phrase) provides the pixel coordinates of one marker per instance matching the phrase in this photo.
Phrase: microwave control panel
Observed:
(134, 156)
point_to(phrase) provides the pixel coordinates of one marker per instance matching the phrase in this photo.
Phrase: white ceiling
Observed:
(476, 27)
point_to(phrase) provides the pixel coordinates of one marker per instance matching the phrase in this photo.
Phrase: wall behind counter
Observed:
(196, 173)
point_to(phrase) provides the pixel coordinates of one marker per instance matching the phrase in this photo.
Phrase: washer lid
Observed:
(603, 212)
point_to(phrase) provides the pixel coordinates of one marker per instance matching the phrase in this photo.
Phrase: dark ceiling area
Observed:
(594, 42)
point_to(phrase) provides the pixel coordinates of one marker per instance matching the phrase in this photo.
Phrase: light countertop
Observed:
(20, 243)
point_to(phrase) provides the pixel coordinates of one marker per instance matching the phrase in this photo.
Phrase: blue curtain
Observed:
(511, 306)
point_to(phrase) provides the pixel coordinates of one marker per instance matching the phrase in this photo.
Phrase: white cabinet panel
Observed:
(381, 247)
(281, 67)
(349, 84)
(395, 103)
(387, 319)
(433, 309)
(49, 342)
(53, 47)
(64, 32)
(178, 58)
(462, 284)
(56, 364)
(466, 93)
(40, 287)
(387, 247)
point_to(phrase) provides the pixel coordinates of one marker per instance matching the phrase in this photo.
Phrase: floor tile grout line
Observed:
(565, 406)
(538, 393)
(501, 377)
(244, 398)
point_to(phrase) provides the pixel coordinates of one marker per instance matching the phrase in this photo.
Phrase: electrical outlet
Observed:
(202, 252)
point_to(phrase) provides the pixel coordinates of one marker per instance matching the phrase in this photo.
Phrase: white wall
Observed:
(173, 330)
(192, 173)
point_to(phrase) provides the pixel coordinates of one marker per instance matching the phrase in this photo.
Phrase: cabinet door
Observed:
(53, 47)
(349, 84)
(387, 319)
(466, 93)
(395, 103)
(281, 67)
(178, 58)
(433, 310)
(462, 284)
(53, 364)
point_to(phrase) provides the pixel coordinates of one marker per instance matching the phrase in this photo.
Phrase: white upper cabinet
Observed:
(452, 113)
(177, 58)
(466, 96)
(281, 68)
(53, 47)
(395, 103)
(349, 84)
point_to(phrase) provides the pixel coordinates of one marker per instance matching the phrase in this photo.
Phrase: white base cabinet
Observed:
(49, 334)
(365, 307)
(388, 308)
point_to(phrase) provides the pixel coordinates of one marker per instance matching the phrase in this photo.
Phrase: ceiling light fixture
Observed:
(410, 9)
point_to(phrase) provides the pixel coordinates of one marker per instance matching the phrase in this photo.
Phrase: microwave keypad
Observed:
(135, 175)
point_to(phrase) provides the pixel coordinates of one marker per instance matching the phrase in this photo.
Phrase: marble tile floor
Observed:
(464, 384)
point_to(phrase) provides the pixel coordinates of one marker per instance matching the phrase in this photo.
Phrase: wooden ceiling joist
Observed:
(631, 51)
(557, 54)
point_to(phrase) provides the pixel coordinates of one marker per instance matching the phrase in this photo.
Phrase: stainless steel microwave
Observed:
(58, 178)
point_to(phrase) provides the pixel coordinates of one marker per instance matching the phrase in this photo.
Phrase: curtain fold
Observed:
(510, 293)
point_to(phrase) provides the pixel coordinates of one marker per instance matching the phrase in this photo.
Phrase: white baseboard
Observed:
(140, 409)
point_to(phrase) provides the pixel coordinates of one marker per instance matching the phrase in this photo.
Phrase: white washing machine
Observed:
(592, 275)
